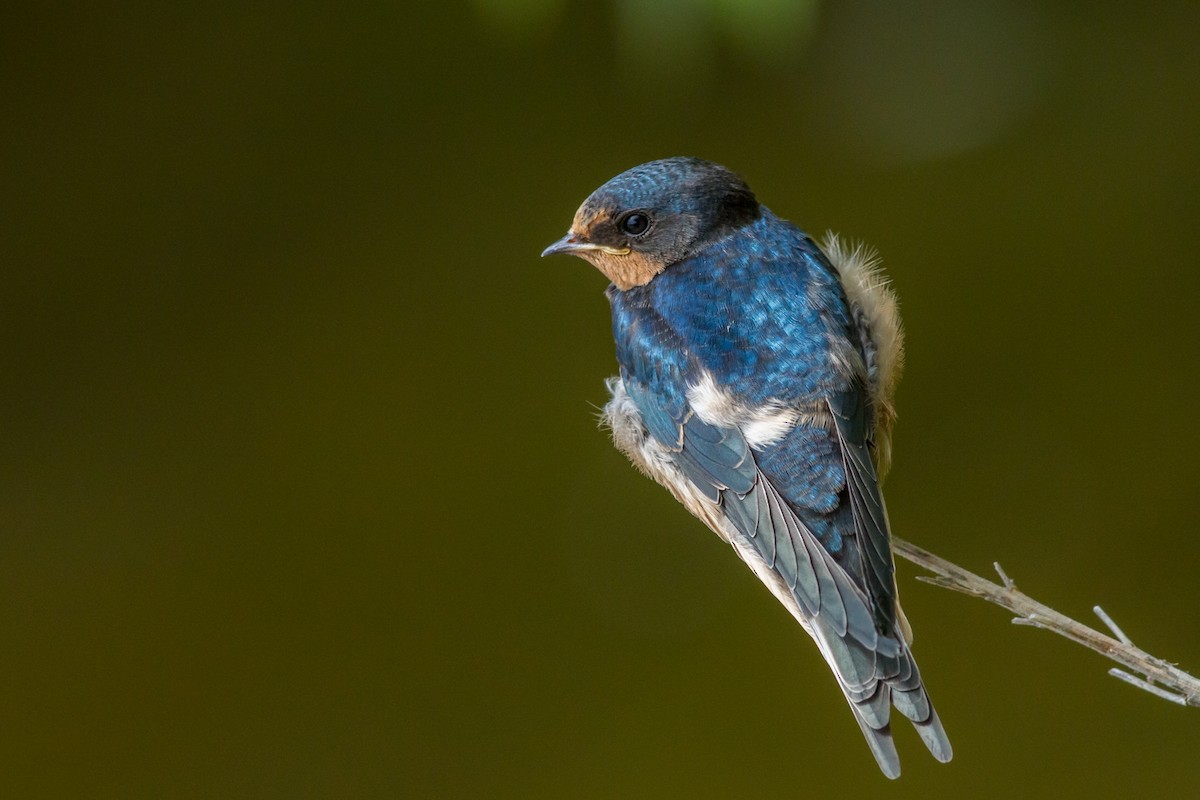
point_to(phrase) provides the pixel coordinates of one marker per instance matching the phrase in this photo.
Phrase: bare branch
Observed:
(1112, 625)
(1143, 670)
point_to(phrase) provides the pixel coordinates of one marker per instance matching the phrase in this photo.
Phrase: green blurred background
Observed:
(301, 491)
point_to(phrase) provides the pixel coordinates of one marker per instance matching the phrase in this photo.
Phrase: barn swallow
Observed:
(757, 376)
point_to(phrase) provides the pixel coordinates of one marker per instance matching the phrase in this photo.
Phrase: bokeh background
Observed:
(301, 493)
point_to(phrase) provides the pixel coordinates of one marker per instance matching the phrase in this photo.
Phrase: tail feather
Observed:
(882, 746)
(934, 737)
(913, 703)
(873, 711)
(873, 683)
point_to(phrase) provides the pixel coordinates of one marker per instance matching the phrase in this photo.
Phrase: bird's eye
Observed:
(634, 224)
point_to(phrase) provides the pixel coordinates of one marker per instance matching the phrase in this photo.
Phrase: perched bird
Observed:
(757, 372)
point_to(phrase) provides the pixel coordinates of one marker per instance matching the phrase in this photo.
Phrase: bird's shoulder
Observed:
(762, 310)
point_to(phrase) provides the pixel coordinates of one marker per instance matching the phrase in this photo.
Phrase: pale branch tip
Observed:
(1154, 675)
(1112, 625)
(1142, 683)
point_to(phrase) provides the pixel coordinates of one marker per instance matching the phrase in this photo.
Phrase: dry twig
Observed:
(1142, 670)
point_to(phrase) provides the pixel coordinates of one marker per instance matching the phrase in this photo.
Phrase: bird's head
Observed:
(655, 215)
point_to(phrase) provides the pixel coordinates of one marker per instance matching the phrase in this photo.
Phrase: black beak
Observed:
(569, 244)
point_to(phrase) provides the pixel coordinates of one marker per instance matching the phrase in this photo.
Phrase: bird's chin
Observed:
(625, 271)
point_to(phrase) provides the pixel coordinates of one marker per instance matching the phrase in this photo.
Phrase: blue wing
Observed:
(828, 477)
(876, 571)
(809, 503)
(719, 462)
(874, 668)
